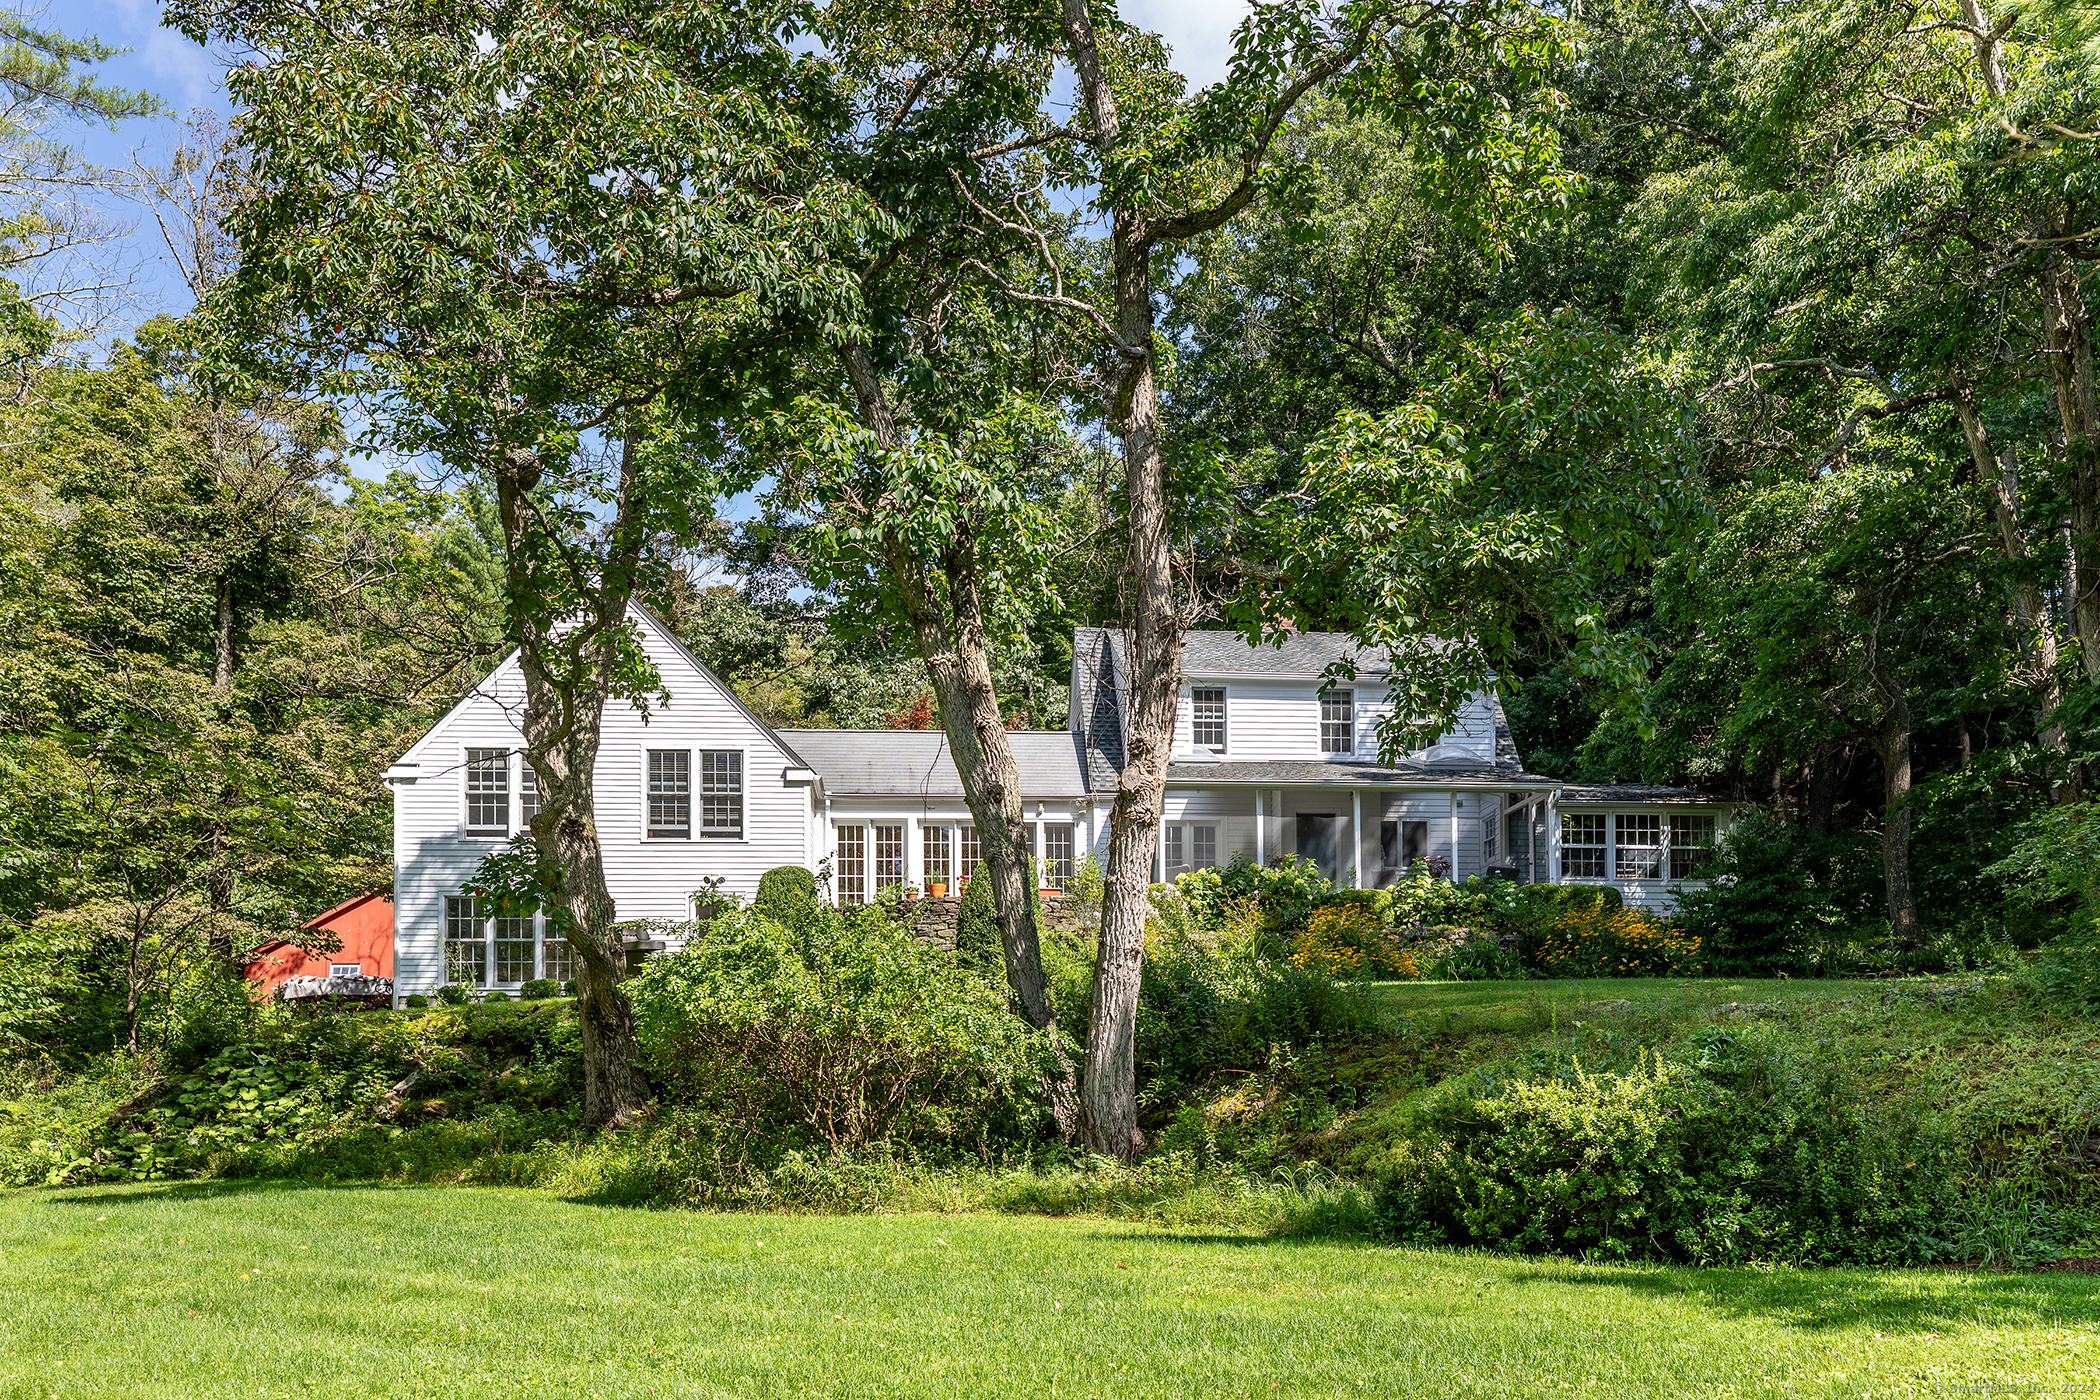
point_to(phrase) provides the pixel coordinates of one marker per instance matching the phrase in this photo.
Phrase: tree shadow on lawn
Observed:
(1805, 1299)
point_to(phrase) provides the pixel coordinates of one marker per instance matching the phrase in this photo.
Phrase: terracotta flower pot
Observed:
(937, 889)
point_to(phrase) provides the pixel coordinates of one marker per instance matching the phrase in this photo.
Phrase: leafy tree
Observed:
(561, 252)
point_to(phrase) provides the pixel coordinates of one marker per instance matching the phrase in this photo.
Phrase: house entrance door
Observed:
(1316, 841)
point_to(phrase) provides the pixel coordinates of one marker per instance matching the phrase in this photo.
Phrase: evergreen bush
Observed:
(787, 894)
(539, 989)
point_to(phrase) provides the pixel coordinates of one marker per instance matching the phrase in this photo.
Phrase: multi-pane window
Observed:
(969, 852)
(514, 947)
(346, 969)
(528, 794)
(1640, 847)
(560, 957)
(933, 852)
(1487, 839)
(1402, 843)
(1207, 717)
(721, 793)
(1190, 846)
(488, 792)
(1582, 845)
(1338, 722)
(670, 792)
(466, 942)
(850, 870)
(1691, 842)
(1057, 855)
(888, 842)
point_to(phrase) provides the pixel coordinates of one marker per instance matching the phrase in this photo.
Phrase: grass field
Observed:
(211, 1289)
(1490, 1002)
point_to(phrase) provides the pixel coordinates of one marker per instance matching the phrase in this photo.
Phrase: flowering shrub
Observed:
(1336, 939)
(1611, 941)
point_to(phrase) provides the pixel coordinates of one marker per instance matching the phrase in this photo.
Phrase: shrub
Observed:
(1477, 959)
(454, 994)
(415, 1001)
(539, 989)
(1600, 940)
(787, 894)
(1755, 1149)
(1778, 900)
(977, 938)
(1285, 893)
(1338, 939)
(850, 1033)
(496, 996)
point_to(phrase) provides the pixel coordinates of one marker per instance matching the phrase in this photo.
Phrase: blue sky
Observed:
(185, 77)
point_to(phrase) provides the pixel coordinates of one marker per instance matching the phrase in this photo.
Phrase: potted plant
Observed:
(936, 889)
(911, 891)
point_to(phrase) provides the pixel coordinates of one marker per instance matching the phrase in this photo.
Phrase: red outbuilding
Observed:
(364, 929)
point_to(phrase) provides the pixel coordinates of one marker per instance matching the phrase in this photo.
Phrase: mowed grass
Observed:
(239, 1289)
(1491, 1004)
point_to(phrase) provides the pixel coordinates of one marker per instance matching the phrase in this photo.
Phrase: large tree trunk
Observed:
(1892, 742)
(1108, 1100)
(2068, 329)
(956, 649)
(2000, 476)
(1833, 759)
(567, 681)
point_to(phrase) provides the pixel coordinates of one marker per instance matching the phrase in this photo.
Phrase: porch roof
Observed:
(916, 762)
(1309, 773)
(1634, 794)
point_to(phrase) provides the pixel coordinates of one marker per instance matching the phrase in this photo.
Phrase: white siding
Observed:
(1268, 720)
(649, 879)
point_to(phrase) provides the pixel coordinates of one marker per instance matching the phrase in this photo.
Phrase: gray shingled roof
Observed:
(1100, 662)
(1618, 794)
(1311, 773)
(1302, 654)
(915, 762)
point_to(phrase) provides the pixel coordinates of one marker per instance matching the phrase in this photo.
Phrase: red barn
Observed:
(364, 927)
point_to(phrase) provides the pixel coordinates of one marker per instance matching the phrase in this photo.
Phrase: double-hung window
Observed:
(1207, 717)
(670, 792)
(1402, 843)
(488, 792)
(528, 794)
(1582, 845)
(466, 941)
(1640, 847)
(1691, 842)
(560, 958)
(1338, 722)
(721, 793)
(1057, 855)
(514, 948)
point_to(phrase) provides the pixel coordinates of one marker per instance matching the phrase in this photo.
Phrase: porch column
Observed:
(1260, 832)
(1356, 838)
(1452, 798)
(914, 856)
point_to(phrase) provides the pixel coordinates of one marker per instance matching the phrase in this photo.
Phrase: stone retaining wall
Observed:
(935, 920)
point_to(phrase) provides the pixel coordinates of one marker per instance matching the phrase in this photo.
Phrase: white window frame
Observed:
(1341, 695)
(1224, 703)
(743, 796)
(1628, 857)
(650, 831)
(527, 810)
(1705, 848)
(467, 770)
(336, 969)
(1571, 822)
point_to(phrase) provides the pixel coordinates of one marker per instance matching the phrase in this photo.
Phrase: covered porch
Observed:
(1364, 826)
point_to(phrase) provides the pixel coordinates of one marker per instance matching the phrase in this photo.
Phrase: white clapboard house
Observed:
(701, 794)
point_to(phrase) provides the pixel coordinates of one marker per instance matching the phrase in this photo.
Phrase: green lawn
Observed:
(245, 1289)
(1496, 1002)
